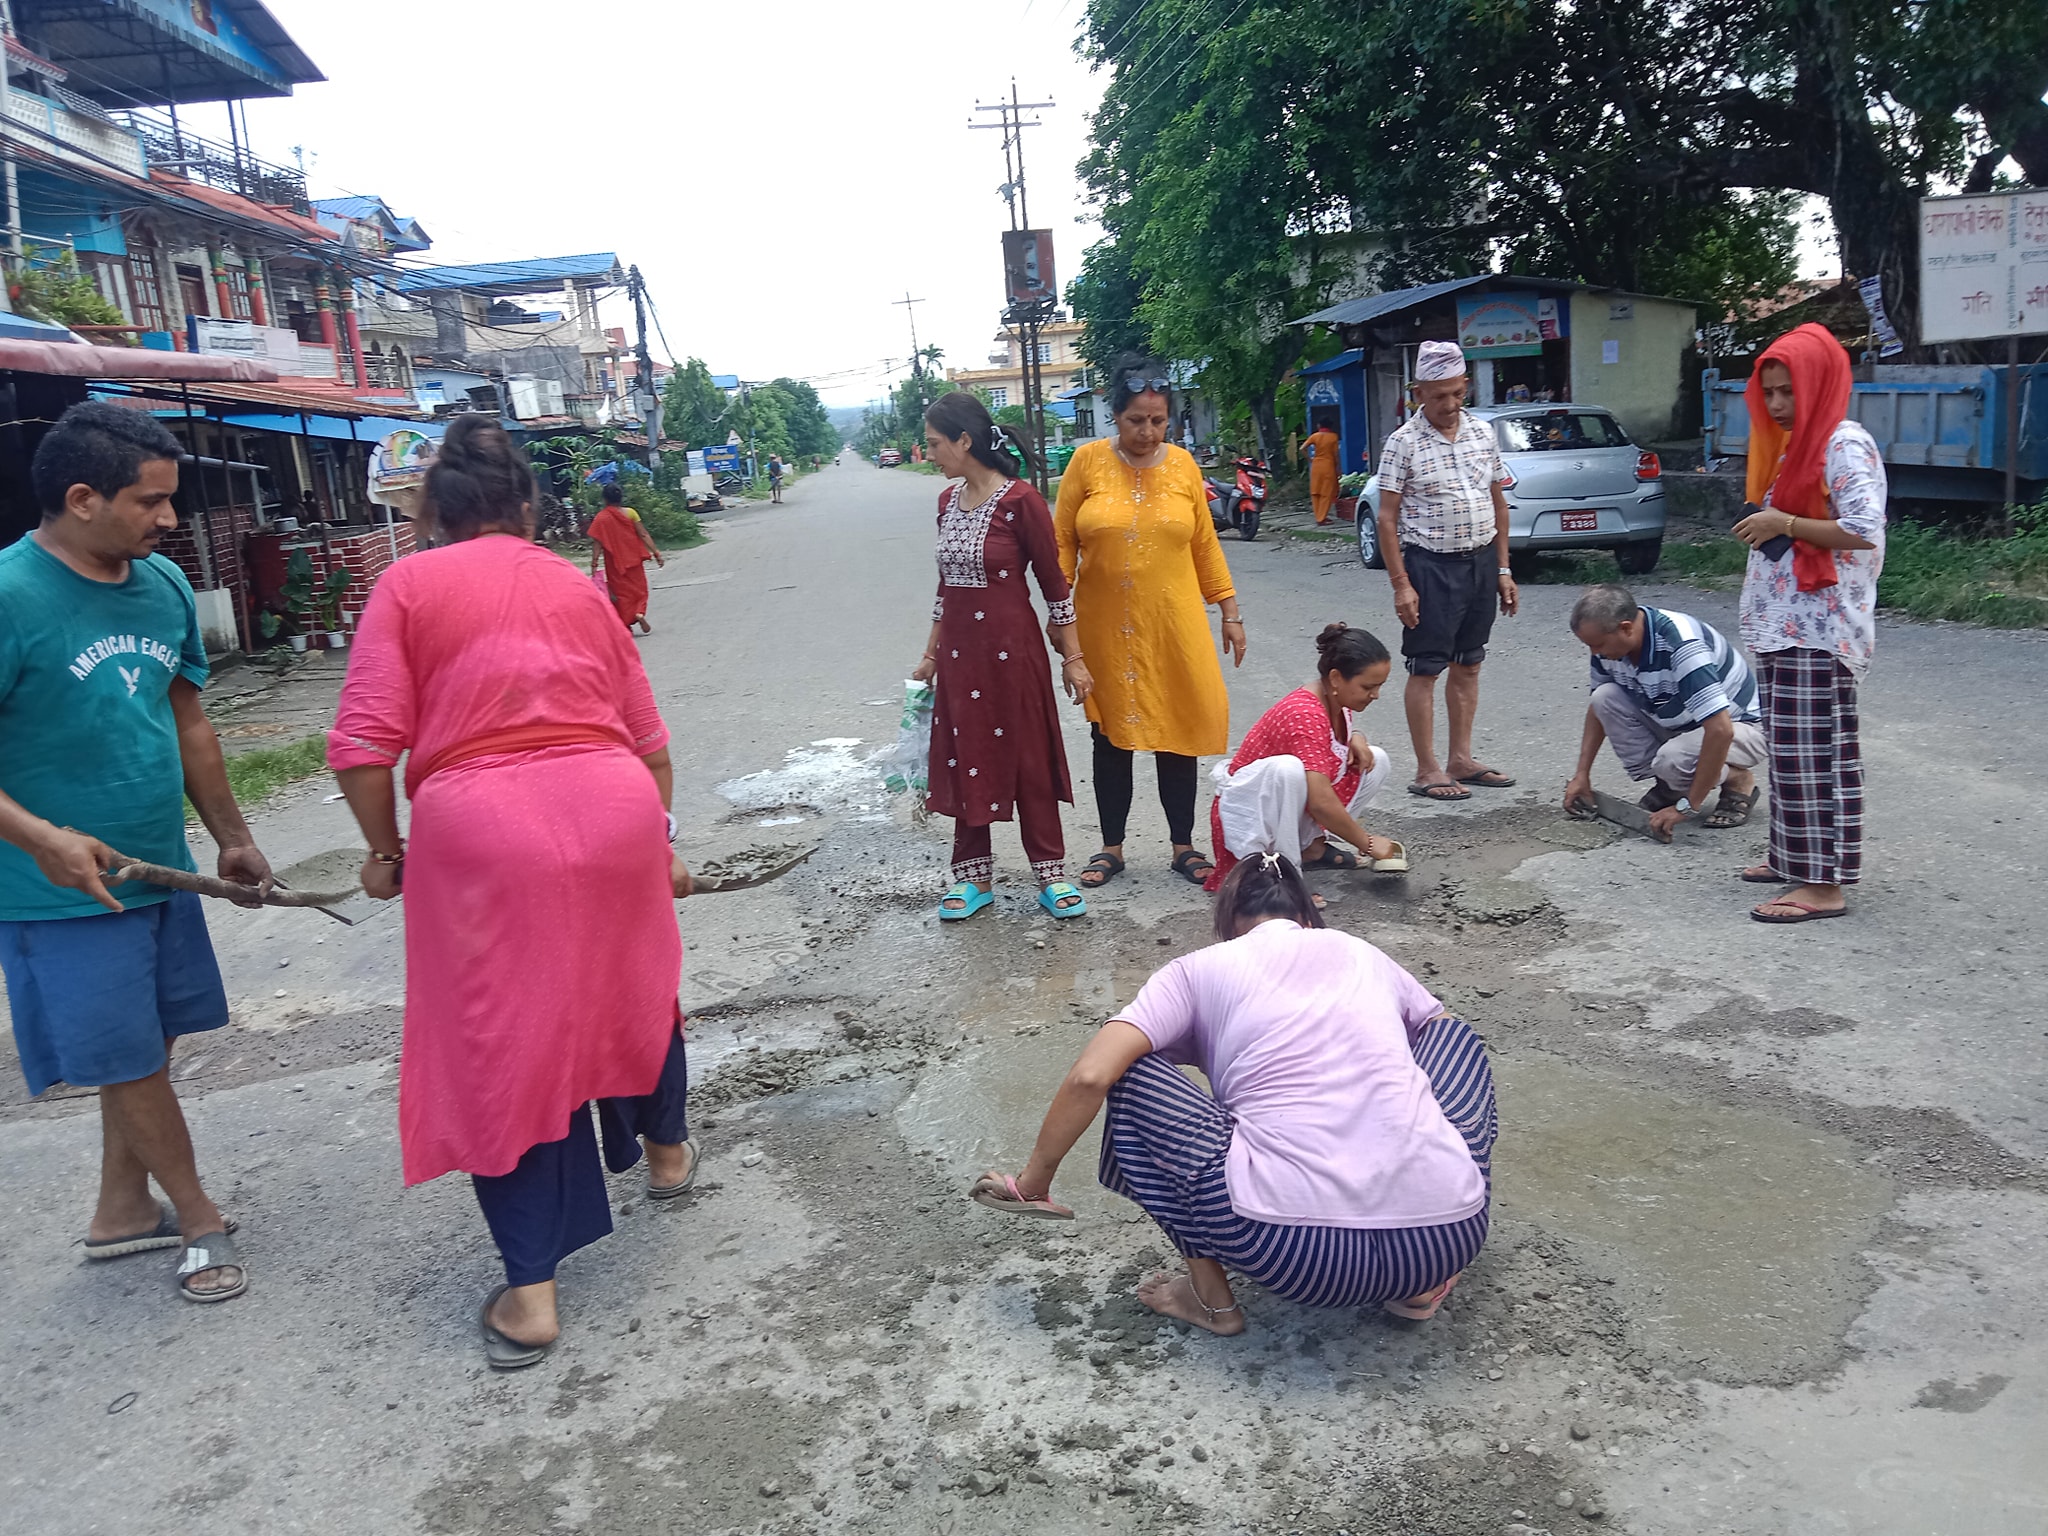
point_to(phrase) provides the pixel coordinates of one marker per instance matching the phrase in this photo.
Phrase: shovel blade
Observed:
(337, 869)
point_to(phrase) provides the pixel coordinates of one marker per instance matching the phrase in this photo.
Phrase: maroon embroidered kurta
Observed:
(995, 725)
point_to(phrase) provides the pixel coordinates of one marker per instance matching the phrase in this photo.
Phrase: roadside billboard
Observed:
(1502, 325)
(1983, 266)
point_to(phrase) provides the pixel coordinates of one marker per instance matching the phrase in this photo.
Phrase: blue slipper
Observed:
(970, 893)
(1051, 897)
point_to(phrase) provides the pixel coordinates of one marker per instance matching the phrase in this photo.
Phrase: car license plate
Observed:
(1580, 522)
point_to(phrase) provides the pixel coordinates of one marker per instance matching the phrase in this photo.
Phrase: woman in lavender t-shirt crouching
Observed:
(1345, 1157)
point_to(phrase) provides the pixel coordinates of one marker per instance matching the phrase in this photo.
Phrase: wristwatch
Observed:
(1506, 570)
(1684, 806)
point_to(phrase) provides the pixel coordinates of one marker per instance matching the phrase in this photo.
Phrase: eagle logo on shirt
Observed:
(130, 678)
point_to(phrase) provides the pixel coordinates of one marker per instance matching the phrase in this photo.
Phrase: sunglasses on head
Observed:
(1138, 384)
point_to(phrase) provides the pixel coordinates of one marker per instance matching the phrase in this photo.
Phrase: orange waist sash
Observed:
(516, 738)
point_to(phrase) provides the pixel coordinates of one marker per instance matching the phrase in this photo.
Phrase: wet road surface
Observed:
(1770, 1204)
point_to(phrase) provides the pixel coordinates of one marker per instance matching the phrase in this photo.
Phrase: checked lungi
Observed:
(1164, 1142)
(1809, 706)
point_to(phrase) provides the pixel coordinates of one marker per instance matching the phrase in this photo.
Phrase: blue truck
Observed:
(1942, 429)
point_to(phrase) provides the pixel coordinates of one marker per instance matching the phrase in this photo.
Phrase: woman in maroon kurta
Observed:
(996, 748)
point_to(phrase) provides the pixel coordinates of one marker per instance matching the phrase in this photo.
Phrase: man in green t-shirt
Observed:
(101, 740)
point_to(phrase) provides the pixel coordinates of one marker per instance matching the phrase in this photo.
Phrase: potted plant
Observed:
(294, 603)
(1348, 491)
(331, 592)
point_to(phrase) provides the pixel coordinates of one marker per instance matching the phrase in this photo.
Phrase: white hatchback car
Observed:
(1575, 481)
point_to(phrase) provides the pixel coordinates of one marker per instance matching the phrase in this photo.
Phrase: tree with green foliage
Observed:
(692, 407)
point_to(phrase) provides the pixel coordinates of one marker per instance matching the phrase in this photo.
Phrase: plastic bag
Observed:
(904, 766)
(604, 588)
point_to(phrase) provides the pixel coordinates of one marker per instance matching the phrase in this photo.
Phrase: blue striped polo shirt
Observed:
(1686, 674)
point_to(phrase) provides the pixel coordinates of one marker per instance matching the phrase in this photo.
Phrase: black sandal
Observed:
(1731, 810)
(1333, 858)
(1184, 862)
(1106, 865)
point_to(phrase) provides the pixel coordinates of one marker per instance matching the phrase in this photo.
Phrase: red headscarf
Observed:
(1792, 467)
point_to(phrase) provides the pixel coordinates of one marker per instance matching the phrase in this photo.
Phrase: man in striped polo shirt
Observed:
(1679, 705)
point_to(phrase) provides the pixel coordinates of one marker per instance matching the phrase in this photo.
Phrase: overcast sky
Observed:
(780, 169)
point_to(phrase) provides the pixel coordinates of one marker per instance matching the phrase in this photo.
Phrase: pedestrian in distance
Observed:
(1344, 1156)
(774, 479)
(541, 952)
(1137, 542)
(102, 739)
(1809, 613)
(1444, 527)
(1305, 773)
(1323, 448)
(996, 750)
(619, 541)
(1679, 706)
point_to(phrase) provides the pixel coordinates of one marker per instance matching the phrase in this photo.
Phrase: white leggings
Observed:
(1264, 805)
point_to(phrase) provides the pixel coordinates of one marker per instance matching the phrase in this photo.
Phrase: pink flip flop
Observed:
(1420, 1309)
(999, 1192)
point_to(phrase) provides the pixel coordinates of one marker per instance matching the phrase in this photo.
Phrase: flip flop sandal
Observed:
(1440, 792)
(1731, 810)
(163, 1235)
(972, 897)
(999, 1192)
(210, 1250)
(1333, 858)
(1761, 875)
(1184, 866)
(1806, 914)
(506, 1354)
(1420, 1309)
(1060, 890)
(1395, 863)
(670, 1191)
(1108, 864)
(1489, 778)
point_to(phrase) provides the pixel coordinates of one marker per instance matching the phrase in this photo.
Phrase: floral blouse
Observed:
(1842, 619)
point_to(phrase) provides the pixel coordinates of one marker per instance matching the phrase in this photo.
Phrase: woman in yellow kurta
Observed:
(1323, 448)
(1137, 544)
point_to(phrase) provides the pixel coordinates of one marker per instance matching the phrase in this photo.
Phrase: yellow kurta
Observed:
(1144, 561)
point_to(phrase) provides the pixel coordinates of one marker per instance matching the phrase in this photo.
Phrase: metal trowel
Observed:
(1626, 813)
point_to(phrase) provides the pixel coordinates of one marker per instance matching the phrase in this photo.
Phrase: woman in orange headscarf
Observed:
(1809, 599)
(619, 539)
(1323, 448)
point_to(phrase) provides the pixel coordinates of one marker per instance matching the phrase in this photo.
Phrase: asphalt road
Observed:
(1770, 1204)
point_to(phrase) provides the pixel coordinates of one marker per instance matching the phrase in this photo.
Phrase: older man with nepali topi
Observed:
(1444, 528)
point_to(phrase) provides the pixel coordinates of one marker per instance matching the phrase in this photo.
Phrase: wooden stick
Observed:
(208, 885)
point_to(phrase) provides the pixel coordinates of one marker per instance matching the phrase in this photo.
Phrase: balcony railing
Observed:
(174, 147)
(98, 140)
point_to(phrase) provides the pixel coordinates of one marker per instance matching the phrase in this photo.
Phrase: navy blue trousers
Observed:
(554, 1200)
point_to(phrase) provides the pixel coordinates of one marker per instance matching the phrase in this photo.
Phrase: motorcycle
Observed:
(1242, 504)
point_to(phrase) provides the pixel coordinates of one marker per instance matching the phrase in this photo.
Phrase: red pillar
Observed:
(224, 305)
(323, 300)
(259, 308)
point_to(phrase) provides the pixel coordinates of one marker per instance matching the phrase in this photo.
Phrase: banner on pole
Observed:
(1028, 276)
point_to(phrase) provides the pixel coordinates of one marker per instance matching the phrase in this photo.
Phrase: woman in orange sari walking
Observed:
(619, 538)
(1323, 447)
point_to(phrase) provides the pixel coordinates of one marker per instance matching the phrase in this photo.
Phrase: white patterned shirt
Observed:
(1445, 483)
(1842, 619)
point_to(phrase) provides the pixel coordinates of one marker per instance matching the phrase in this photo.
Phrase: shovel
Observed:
(326, 882)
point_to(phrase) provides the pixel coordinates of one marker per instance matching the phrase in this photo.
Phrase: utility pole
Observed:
(909, 307)
(1027, 317)
(650, 398)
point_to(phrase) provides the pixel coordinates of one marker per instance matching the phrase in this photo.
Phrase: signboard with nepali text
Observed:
(1983, 266)
(1501, 325)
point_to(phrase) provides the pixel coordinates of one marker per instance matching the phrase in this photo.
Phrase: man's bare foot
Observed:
(125, 1217)
(1175, 1296)
(1436, 784)
(1801, 902)
(525, 1314)
(1470, 770)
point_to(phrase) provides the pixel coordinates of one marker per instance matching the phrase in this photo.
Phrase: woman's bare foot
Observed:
(1176, 1296)
(668, 1165)
(525, 1314)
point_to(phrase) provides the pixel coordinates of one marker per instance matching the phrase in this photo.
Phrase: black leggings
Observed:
(1113, 790)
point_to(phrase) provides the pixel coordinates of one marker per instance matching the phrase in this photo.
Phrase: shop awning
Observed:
(76, 360)
(1335, 364)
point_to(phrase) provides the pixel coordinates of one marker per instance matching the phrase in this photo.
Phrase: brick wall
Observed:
(226, 528)
(365, 553)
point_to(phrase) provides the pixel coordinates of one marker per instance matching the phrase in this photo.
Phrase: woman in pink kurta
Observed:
(542, 955)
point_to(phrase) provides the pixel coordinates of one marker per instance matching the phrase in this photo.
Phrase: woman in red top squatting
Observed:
(1306, 770)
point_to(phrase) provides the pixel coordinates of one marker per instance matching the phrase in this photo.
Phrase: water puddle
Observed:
(826, 777)
(1734, 1239)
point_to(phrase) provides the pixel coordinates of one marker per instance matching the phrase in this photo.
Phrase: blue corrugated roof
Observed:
(349, 207)
(1373, 305)
(1333, 364)
(532, 275)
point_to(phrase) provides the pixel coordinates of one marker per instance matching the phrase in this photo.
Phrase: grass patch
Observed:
(2001, 583)
(256, 775)
(1723, 557)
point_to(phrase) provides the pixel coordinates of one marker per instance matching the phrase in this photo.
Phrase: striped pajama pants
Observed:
(1164, 1142)
(1809, 706)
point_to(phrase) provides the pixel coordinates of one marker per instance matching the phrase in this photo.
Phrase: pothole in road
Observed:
(1736, 1238)
(828, 777)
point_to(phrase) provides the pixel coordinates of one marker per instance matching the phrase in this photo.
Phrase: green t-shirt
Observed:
(87, 738)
